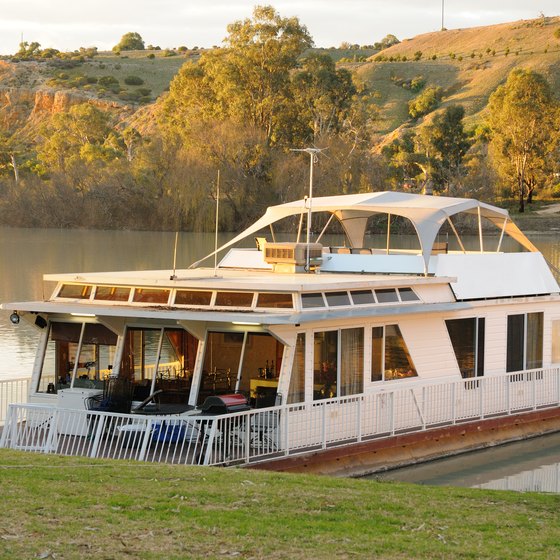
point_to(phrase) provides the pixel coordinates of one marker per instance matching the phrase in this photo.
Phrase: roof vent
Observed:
(292, 257)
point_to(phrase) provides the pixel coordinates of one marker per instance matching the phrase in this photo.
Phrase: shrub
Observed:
(133, 81)
(417, 55)
(169, 52)
(144, 91)
(91, 80)
(417, 83)
(427, 101)
(557, 33)
(107, 81)
(151, 55)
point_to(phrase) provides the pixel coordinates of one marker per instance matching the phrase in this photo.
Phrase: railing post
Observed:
(247, 443)
(99, 429)
(324, 426)
(482, 387)
(52, 437)
(507, 381)
(145, 440)
(210, 443)
(359, 419)
(534, 388)
(392, 412)
(286, 424)
(454, 403)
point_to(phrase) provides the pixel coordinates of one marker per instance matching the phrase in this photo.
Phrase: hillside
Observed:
(468, 63)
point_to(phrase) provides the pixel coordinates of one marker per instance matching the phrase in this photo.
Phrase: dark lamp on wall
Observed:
(14, 318)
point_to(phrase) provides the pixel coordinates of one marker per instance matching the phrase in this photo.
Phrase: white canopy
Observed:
(427, 214)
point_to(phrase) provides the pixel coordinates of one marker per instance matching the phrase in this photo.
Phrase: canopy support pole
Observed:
(388, 232)
(480, 231)
(324, 229)
(456, 234)
(272, 233)
(299, 227)
(502, 235)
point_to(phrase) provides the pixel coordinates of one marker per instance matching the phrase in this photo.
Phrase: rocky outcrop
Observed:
(25, 101)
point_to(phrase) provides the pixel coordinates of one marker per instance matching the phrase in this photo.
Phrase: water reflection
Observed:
(526, 466)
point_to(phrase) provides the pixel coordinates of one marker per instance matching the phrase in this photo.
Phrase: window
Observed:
(159, 359)
(556, 342)
(467, 339)
(188, 297)
(248, 362)
(312, 300)
(362, 297)
(276, 301)
(111, 293)
(296, 392)
(234, 299)
(150, 295)
(524, 341)
(407, 294)
(387, 296)
(75, 291)
(338, 363)
(390, 358)
(78, 355)
(335, 299)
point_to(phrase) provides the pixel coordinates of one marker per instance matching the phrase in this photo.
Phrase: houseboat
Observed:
(295, 346)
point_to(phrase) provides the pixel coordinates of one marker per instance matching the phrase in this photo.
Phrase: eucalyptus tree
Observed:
(523, 116)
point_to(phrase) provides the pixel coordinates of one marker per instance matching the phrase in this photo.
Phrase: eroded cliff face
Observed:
(26, 101)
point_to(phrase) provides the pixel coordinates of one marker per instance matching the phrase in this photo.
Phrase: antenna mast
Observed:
(216, 233)
(312, 159)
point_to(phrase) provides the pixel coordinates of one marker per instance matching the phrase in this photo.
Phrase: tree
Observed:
(130, 42)
(445, 142)
(81, 136)
(248, 80)
(523, 119)
(323, 95)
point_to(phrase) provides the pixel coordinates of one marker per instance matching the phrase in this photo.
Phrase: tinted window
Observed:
(337, 298)
(407, 294)
(275, 300)
(386, 296)
(362, 297)
(188, 297)
(112, 293)
(75, 291)
(234, 299)
(312, 300)
(150, 295)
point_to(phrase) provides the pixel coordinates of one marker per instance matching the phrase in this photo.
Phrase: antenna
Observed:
(174, 276)
(216, 233)
(442, 14)
(313, 152)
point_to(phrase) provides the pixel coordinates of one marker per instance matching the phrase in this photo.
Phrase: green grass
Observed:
(56, 507)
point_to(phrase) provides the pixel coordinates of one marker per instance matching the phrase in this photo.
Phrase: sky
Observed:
(69, 24)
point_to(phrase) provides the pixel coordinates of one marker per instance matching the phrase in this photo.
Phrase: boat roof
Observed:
(426, 212)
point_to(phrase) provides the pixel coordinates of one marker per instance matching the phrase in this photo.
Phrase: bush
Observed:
(107, 81)
(417, 55)
(151, 55)
(144, 91)
(557, 33)
(169, 52)
(133, 81)
(426, 102)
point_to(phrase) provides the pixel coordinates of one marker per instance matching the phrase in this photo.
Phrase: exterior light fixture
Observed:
(14, 318)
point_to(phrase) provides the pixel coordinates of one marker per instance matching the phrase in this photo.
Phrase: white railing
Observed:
(12, 391)
(262, 434)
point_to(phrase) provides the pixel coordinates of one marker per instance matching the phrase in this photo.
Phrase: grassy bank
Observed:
(69, 508)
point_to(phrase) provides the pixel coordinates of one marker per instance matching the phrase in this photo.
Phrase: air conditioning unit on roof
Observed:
(292, 257)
